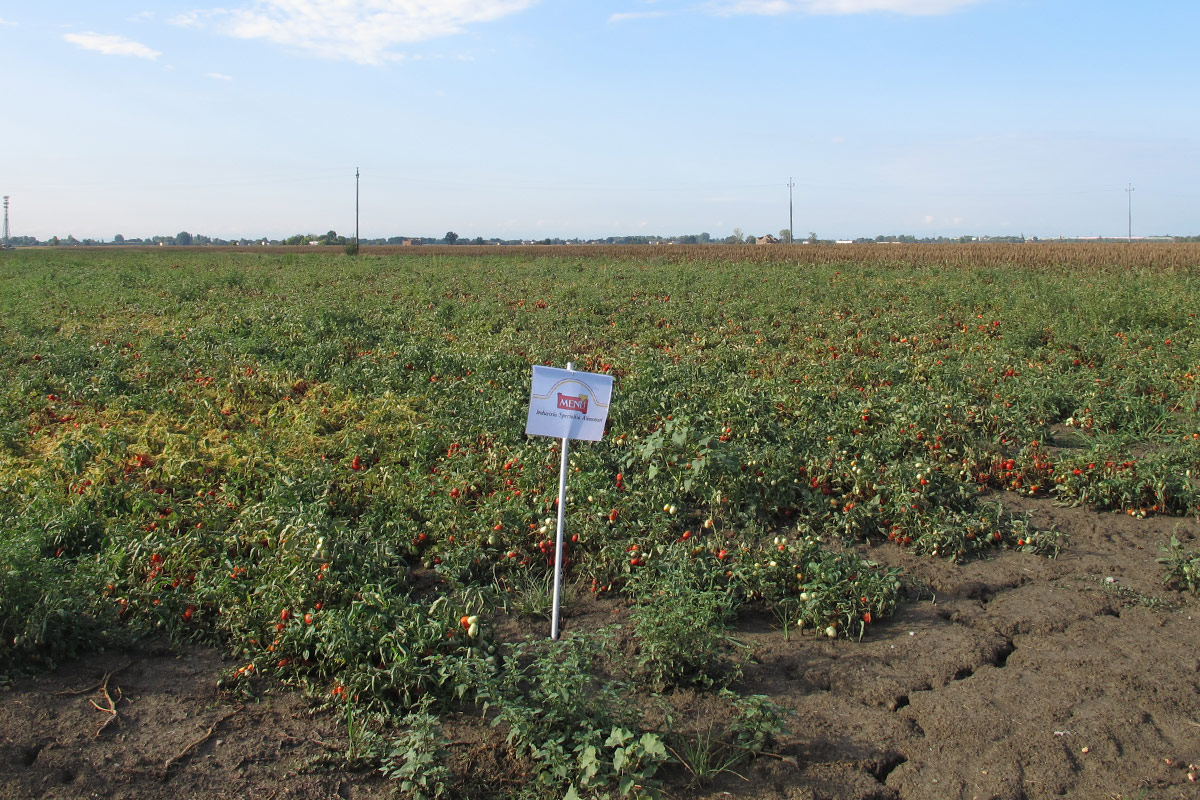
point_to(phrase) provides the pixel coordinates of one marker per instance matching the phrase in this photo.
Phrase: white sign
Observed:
(567, 404)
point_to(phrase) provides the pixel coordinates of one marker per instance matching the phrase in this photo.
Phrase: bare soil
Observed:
(1007, 678)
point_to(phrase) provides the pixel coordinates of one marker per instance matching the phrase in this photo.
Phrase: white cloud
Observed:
(626, 16)
(775, 7)
(364, 31)
(111, 45)
(3, 21)
(217, 76)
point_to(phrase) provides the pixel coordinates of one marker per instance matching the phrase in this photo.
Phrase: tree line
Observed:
(331, 237)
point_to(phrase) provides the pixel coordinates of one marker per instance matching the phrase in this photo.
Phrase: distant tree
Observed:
(751, 238)
(118, 238)
(812, 237)
(54, 241)
(785, 236)
(478, 240)
(737, 237)
(71, 239)
(183, 238)
(451, 237)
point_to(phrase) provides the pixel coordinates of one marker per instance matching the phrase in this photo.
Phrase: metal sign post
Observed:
(558, 536)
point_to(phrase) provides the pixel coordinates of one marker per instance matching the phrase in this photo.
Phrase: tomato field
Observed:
(317, 463)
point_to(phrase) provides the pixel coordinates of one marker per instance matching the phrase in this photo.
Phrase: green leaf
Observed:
(619, 736)
(588, 757)
(653, 745)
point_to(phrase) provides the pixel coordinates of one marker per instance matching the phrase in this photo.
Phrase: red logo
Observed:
(569, 403)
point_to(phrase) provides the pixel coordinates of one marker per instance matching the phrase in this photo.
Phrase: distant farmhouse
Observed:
(768, 239)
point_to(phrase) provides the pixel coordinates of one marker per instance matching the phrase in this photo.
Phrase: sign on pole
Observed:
(567, 405)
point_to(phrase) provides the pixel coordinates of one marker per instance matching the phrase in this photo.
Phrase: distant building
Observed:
(768, 239)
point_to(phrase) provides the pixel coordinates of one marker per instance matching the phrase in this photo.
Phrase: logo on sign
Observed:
(580, 403)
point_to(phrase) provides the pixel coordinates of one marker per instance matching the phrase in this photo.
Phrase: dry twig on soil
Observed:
(102, 682)
(111, 710)
(182, 754)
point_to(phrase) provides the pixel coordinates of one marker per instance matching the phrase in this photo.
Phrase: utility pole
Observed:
(1129, 195)
(356, 211)
(5, 222)
(791, 229)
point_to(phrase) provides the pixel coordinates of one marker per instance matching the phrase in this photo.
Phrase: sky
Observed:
(582, 118)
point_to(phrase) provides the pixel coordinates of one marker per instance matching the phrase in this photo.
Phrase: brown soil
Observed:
(1004, 678)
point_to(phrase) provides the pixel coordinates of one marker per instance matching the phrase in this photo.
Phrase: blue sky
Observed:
(565, 118)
